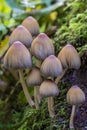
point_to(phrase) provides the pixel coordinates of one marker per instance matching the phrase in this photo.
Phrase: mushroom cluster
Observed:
(26, 43)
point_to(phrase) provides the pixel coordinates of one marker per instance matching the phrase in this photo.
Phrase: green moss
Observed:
(74, 29)
(27, 118)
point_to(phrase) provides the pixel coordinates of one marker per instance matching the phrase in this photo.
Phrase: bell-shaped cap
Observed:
(48, 88)
(69, 57)
(17, 57)
(34, 77)
(32, 25)
(21, 34)
(75, 95)
(42, 46)
(51, 67)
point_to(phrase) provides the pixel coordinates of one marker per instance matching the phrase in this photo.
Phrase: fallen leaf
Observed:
(4, 46)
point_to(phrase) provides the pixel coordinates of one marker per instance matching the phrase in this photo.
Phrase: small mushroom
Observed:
(69, 59)
(42, 47)
(34, 79)
(18, 58)
(32, 25)
(48, 88)
(21, 34)
(75, 96)
(3, 85)
(50, 68)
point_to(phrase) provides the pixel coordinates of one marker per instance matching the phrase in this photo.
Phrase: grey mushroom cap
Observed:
(34, 77)
(32, 25)
(17, 57)
(21, 34)
(48, 88)
(42, 47)
(51, 67)
(3, 86)
(75, 95)
(69, 57)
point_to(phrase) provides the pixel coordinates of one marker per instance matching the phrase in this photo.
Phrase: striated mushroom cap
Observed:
(51, 66)
(32, 25)
(21, 34)
(42, 46)
(34, 77)
(75, 95)
(17, 57)
(49, 88)
(69, 57)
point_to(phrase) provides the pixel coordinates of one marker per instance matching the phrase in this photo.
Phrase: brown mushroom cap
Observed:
(17, 57)
(75, 95)
(21, 34)
(32, 25)
(69, 57)
(51, 66)
(34, 77)
(48, 88)
(42, 46)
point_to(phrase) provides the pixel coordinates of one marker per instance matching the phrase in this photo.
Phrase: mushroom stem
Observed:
(27, 95)
(60, 77)
(37, 97)
(51, 106)
(71, 125)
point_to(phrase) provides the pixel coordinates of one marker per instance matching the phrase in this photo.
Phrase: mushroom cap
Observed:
(34, 77)
(32, 25)
(75, 95)
(3, 86)
(51, 66)
(42, 46)
(69, 57)
(48, 88)
(17, 57)
(21, 34)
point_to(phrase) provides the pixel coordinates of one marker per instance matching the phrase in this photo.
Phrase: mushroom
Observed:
(34, 79)
(18, 58)
(48, 89)
(69, 59)
(32, 25)
(75, 96)
(41, 48)
(3, 85)
(21, 34)
(50, 68)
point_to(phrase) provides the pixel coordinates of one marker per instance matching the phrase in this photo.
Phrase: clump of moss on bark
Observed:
(73, 29)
